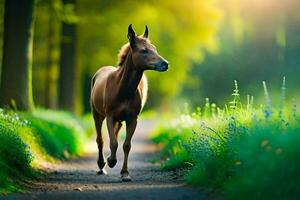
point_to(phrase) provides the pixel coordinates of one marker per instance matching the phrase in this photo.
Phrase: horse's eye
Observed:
(144, 51)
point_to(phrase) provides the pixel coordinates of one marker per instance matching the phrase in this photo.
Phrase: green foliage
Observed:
(256, 44)
(27, 138)
(60, 133)
(15, 154)
(87, 123)
(267, 163)
(179, 160)
(248, 153)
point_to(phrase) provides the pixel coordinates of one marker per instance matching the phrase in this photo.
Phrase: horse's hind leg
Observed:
(98, 119)
(130, 128)
(113, 142)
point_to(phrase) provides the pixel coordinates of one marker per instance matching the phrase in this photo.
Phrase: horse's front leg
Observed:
(113, 142)
(98, 118)
(130, 128)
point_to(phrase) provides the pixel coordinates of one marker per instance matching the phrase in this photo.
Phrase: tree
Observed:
(67, 98)
(16, 84)
(51, 79)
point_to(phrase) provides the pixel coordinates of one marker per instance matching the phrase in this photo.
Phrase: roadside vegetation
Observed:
(241, 150)
(27, 140)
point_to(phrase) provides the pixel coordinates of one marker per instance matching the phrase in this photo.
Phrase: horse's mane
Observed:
(123, 54)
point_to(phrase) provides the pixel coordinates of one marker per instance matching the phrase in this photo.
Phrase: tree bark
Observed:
(16, 76)
(51, 78)
(68, 69)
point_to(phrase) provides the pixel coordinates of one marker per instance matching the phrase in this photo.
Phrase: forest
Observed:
(228, 103)
(209, 48)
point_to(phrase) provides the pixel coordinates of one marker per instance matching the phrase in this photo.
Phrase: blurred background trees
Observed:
(258, 41)
(209, 43)
(16, 74)
(68, 78)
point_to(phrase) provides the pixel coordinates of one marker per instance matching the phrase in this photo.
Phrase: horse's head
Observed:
(144, 54)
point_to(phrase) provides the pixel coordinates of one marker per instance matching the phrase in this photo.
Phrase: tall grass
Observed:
(247, 152)
(15, 155)
(28, 138)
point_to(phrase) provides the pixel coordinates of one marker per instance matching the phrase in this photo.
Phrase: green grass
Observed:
(28, 138)
(59, 132)
(246, 152)
(15, 155)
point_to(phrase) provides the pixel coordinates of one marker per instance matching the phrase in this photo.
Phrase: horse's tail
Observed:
(92, 85)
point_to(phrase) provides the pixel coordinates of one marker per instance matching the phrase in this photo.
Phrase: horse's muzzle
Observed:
(162, 66)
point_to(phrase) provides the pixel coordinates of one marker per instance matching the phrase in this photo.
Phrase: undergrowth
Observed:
(247, 152)
(26, 139)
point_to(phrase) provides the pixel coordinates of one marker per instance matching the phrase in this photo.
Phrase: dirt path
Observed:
(77, 179)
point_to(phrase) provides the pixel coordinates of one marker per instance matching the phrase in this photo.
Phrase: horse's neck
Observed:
(129, 79)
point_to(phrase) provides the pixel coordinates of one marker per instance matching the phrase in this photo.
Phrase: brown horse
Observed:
(119, 94)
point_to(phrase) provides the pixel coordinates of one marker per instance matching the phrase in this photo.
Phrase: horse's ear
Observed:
(131, 36)
(146, 33)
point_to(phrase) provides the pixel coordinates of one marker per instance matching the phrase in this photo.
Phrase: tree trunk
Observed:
(68, 69)
(16, 76)
(51, 77)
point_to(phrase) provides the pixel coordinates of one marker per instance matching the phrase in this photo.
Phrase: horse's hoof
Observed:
(111, 163)
(126, 178)
(102, 172)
